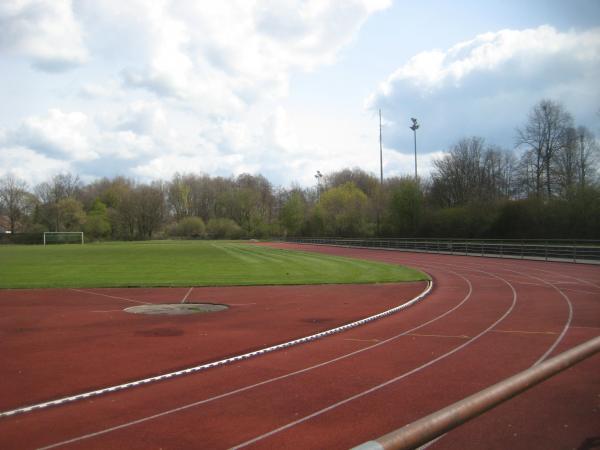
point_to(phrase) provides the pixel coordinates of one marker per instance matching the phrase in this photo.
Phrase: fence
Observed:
(21, 238)
(579, 251)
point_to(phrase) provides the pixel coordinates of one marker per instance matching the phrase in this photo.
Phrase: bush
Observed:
(189, 227)
(223, 229)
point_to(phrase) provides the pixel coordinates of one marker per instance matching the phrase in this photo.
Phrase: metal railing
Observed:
(579, 251)
(434, 425)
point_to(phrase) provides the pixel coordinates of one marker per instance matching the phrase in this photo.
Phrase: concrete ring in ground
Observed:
(175, 309)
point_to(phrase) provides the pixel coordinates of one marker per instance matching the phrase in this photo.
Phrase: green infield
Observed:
(183, 263)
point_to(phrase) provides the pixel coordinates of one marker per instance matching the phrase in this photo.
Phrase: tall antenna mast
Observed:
(380, 152)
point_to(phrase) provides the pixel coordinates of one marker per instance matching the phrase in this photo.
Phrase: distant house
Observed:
(4, 224)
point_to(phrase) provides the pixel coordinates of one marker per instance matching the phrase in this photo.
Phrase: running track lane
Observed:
(485, 320)
(47, 333)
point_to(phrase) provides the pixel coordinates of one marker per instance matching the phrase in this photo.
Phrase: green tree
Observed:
(97, 224)
(405, 208)
(69, 214)
(344, 211)
(292, 214)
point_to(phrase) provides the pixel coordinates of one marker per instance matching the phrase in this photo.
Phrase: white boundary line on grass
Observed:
(222, 362)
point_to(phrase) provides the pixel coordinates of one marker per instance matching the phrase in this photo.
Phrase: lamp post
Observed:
(380, 152)
(581, 162)
(415, 127)
(318, 176)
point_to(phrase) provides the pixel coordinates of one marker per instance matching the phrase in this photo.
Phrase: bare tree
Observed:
(149, 208)
(13, 198)
(589, 153)
(543, 136)
(575, 165)
(471, 172)
(61, 187)
(179, 195)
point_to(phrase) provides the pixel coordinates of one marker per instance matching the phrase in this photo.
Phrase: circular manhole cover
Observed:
(177, 308)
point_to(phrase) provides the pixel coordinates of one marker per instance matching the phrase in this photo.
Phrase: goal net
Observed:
(63, 237)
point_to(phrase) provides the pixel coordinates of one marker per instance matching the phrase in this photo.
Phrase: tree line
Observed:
(546, 187)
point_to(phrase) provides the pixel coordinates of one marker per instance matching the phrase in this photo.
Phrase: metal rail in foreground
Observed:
(578, 251)
(428, 428)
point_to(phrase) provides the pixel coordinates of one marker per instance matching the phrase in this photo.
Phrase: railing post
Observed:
(522, 247)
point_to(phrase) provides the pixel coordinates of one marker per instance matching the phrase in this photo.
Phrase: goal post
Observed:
(63, 237)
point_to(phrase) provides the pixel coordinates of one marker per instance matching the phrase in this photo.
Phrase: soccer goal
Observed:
(63, 237)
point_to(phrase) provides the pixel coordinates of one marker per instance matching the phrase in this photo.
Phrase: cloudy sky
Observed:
(279, 87)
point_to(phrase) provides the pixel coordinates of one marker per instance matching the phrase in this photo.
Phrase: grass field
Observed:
(182, 263)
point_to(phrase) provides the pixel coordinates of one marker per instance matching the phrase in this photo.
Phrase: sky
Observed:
(281, 88)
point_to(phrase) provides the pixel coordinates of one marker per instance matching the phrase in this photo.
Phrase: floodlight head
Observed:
(415, 125)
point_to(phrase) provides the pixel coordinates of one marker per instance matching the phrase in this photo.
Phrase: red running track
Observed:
(485, 320)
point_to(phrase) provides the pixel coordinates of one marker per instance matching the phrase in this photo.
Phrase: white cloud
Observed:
(45, 31)
(57, 134)
(221, 57)
(487, 85)
(174, 85)
(29, 165)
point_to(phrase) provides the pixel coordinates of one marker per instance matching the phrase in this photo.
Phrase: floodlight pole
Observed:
(380, 152)
(415, 127)
(318, 176)
(581, 162)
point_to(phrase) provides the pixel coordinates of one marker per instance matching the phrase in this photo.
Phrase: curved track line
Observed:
(567, 323)
(502, 267)
(582, 280)
(222, 362)
(268, 381)
(548, 283)
(557, 340)
(550, 349)
(388, 382)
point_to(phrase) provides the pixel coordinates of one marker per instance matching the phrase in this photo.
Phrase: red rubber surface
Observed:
(485, 320)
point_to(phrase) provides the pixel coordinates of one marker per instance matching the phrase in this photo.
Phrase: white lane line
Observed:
(554, 273)
(385, 383)
(503, 267)
(187, 295)
(552, 347)
(562, 294)
(565, 327)
(110, 296)
(547, 283)
(581, 290)
(264, 382)
(222, 362)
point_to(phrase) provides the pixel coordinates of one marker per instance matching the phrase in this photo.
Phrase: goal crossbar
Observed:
(62, 237)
